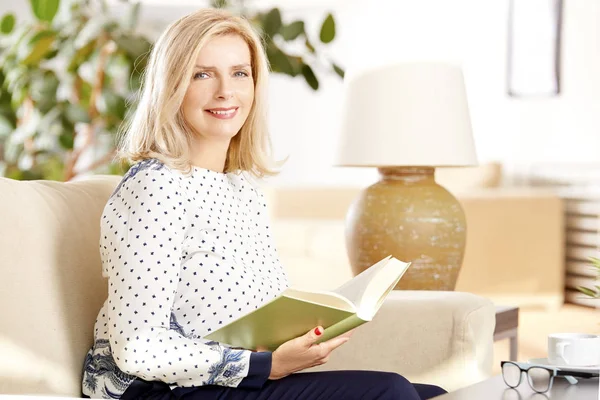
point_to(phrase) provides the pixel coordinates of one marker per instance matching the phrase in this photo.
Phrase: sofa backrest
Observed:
(51, 287)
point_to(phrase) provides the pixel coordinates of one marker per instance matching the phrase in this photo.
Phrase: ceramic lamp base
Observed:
(408, 215)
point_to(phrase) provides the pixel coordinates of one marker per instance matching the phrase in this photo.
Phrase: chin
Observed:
(222, 130)
(221, 134)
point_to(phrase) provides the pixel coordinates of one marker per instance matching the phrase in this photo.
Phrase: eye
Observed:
(200, 75)
(241, 74)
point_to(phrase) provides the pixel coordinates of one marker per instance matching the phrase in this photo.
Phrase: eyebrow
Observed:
(233, 67)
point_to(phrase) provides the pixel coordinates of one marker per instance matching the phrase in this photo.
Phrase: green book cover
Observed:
(295, 311)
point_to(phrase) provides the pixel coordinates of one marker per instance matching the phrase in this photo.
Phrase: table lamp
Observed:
(406, 119)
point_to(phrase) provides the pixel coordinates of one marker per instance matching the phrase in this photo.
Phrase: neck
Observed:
(210, 154)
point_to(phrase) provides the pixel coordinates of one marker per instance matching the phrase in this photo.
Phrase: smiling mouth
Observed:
(223, 113)
(222, 110)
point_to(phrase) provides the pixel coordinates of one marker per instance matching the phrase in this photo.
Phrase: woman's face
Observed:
(221, 90)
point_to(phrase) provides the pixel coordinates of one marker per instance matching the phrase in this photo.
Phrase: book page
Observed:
(381, 285)
(329, 299)
(354, 289)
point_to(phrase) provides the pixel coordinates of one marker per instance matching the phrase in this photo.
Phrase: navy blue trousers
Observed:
(329, 385)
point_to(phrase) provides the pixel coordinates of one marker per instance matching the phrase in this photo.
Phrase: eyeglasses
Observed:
(540, 379)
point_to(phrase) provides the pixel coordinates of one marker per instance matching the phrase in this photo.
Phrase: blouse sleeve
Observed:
(142, 232)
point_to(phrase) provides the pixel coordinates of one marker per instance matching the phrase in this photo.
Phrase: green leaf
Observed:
(85, 93)
(111, 104)
(67, 140)
(327, 29)
(293, 30)
(310, 77)
(45, 10)
(81, 55)
(32, 51)
(587, 291)
(16, 77)
(272, 22)
(296, 63)
(17, 97)
(7, 23)
(280, 62)
(338, 70)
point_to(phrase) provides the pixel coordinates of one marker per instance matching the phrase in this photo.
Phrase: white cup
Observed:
(574, 349)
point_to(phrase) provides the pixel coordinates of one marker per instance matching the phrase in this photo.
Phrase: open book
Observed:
(295, 311)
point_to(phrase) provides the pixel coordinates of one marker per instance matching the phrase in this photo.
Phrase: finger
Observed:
(313, 335)
(334, 343)
(261, 348)
(348, 334)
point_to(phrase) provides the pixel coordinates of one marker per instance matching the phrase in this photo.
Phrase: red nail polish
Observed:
(318, 331)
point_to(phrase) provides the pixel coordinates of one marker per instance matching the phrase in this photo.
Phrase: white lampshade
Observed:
(409, 114)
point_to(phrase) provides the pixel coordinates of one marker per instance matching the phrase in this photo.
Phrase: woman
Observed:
(185, 243)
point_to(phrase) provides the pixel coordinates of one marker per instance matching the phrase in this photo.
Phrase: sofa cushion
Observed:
(51, 280)
(313, 252)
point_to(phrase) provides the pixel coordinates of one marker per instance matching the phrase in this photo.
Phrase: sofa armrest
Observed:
(442, 338)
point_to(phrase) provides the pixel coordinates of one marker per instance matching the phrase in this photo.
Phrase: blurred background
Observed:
(521, 134)
(69, 72)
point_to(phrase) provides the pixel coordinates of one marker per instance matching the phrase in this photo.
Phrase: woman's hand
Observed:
(302, 352)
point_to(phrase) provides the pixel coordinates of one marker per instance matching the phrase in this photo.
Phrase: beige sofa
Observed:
(51, 290)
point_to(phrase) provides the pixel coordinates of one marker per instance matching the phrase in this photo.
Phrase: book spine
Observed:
(341, 327)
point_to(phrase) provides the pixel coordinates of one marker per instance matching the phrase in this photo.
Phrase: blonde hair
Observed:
(158, 129)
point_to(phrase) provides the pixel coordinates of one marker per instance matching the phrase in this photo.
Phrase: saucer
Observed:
(543, 362)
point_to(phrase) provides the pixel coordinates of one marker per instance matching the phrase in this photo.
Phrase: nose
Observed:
(225, 89)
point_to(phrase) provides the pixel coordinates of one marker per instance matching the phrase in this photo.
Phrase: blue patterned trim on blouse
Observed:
(140, 166)
(102, 364)
(228, 371)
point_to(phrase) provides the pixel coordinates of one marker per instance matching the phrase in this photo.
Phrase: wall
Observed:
(518, 132)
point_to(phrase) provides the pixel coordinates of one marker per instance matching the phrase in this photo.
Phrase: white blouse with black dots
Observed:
(183, 256)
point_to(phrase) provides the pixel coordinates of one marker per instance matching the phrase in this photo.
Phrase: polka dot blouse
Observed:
(184, 255)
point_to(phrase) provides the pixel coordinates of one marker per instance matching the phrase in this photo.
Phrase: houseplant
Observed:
(595, 291)
(68, 81)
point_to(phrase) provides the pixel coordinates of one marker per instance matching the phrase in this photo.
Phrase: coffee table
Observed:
(495, 389)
